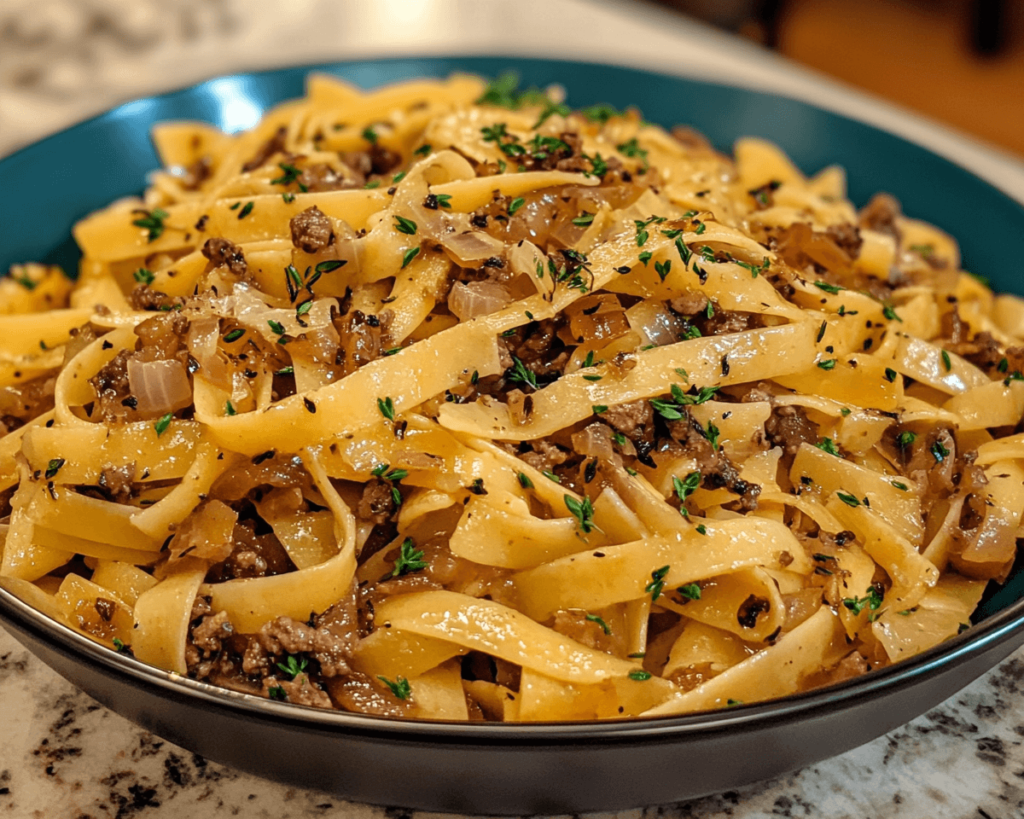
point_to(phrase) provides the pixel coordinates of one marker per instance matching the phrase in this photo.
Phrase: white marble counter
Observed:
(62, 756)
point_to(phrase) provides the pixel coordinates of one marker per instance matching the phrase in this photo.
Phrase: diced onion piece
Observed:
(655, 322)
(472, 246)
(159, 386)
(467, 301)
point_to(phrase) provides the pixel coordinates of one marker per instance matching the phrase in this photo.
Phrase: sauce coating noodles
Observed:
(445, 401)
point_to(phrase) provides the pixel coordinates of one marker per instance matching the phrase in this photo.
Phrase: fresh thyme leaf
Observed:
(293, 667)
(400, 687)
(521, 374)
(152, 221)
(386, 407)
(583, 511)
(406, 226)
(829, 446)
(162, 423)
(905, 439)
(691, 591)
(890, 313)
(657, 584)
(144, 276)
(410, 559)
(53, 467)
(408, 256)
(593, 618)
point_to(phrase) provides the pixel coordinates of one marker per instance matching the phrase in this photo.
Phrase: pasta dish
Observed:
(446, 401)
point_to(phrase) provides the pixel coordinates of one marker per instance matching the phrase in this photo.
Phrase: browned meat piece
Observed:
(383, 160)
(724, 321)
(689, 304)
(634, 420)
(222, 252)
(144, 297)
(197, 173)
(311, 230)
(253, 555)
(881, 214)
(575, 624)
(322, 177)
(162, 337)
(112, 379)
(117, 481)
(544, 455)
(287, 636)
(212, 629)
(847, 238)
(300, 691)
(359, 162)
(717, 471)
(377, 503)
(789, 427)
(984, 351)
(363, 338)
(272, 146)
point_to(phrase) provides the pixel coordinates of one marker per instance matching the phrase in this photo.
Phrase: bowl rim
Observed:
(995, 629)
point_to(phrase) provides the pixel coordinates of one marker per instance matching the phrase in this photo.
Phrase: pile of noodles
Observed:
(445, 401)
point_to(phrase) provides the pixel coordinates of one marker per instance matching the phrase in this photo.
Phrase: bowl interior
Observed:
(53, 183)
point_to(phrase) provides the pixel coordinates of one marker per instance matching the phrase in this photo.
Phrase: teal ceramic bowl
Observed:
(517, 769)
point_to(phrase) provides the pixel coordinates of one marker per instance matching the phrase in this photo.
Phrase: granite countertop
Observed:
(65, 757)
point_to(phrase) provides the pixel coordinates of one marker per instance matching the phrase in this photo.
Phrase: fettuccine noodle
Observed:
(445, 401)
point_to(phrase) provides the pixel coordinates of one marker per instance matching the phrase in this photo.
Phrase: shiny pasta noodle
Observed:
(445, 401)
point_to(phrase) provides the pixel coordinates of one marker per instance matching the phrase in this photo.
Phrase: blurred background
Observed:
(958, 61)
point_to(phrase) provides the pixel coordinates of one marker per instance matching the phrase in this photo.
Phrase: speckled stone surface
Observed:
(62, 756)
